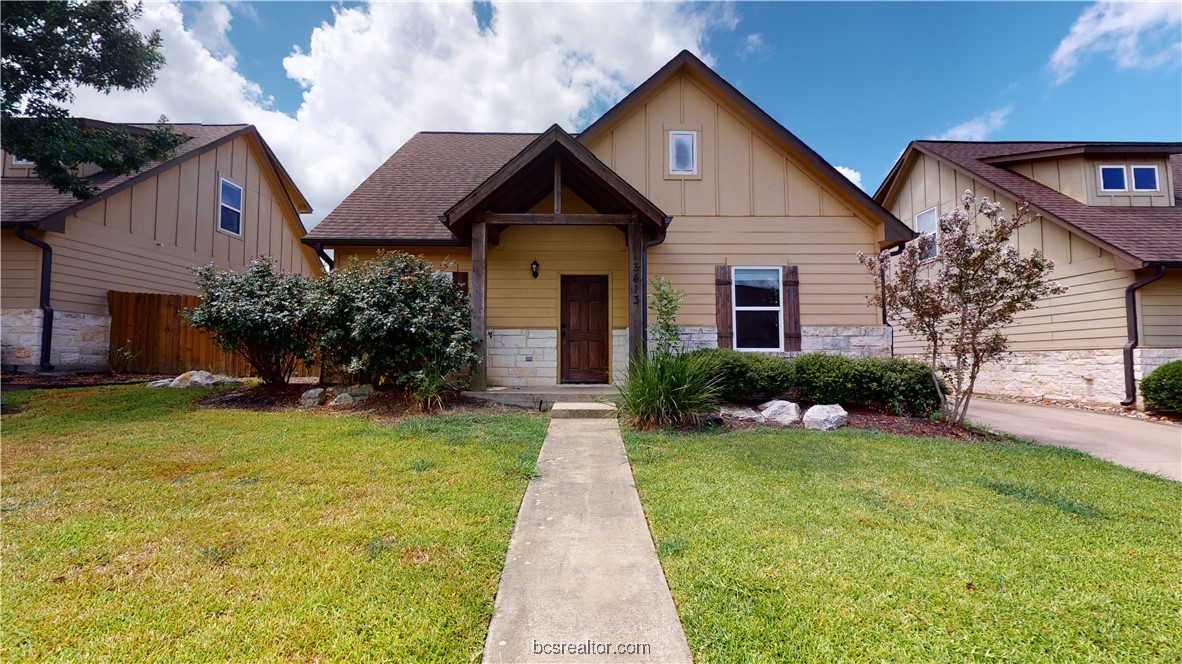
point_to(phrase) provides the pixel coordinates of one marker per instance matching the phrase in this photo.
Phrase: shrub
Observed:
(900, 387)
(265, 316)
(825, 379)
(747, 376)
(665, 303)
(1162, 389)
(668, 390)
(396, 318)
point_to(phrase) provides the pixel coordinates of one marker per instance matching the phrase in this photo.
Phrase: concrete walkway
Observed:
(582, 582)
(1152, 447)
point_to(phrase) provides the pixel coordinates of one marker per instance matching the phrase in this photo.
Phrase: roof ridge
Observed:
(482, 133)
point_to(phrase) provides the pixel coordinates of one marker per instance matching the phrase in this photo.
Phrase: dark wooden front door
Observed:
(586, 340)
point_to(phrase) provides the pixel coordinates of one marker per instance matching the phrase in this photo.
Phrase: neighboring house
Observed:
(557, 234)
(223, 198)
(1111, 220)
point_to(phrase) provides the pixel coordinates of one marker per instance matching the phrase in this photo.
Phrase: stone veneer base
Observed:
(80, 341)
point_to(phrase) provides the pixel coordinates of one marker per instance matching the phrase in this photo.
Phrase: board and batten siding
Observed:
(21, 265)
(147, 237)
(1090, 315)
(753, 203)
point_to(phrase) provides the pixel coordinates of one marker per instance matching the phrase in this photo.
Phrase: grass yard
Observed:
(139, 526)
(862, 546)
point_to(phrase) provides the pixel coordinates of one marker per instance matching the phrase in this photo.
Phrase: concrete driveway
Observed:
(1152, 447)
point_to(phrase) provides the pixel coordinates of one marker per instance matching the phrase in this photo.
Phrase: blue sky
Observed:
(856, 81)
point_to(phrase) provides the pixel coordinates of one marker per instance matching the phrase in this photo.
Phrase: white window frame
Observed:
(21, 163)
(241, 217)
(935, 231)
(1100, 177)
(693, 136)
(735, 308)
(1133, 179)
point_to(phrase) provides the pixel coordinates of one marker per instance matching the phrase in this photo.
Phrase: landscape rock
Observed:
(825, 418)
(343, 399)
(312, 398)
(744, 413)
(781, 412)
(160, 383)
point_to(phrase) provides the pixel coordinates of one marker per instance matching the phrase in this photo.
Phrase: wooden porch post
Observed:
(479, 289)
(636, 290)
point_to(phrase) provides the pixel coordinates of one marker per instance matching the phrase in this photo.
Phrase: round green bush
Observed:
(1162, 389)
(747, 376)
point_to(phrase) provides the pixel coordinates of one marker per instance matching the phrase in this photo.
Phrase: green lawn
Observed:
(856, 546)
(138, 526)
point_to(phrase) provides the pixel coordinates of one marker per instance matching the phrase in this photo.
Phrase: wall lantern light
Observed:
(533, 269)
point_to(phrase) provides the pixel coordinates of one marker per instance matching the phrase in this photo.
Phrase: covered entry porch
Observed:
(557, 276)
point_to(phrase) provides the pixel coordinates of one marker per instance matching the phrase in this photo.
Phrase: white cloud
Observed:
(1138, 34)
(850, 174)
(210, 24)
(977, 129)
(376, 74)
(754, 45)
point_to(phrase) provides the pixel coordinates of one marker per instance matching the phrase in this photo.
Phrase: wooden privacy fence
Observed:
(153, 325)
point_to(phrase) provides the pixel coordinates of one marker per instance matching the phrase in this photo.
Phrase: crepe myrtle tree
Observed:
(960, 300)
(264, 316)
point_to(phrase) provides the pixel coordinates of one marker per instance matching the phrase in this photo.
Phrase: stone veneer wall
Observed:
(852, 340)
(1081, 376)
(80, 341)
(529, 358)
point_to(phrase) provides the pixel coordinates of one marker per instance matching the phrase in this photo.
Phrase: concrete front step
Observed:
(582, 410)
(544, 398)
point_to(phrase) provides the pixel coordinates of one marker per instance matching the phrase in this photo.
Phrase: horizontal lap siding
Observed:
(146, 238)
(833, 285)
(1090, 315)
(20, 271)
(1161, 311)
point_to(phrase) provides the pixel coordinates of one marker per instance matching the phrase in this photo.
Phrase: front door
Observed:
(585, 348)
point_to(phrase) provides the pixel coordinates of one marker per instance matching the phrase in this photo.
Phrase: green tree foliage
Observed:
(49, 49)
(959, 302)
(396, 318)
(267, 317)
(665, 302)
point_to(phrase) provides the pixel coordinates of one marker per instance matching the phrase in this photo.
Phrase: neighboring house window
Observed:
(925, 223)
(17, 161)
(230, 208)
(683, 153)
(1145, 178)
(1112, 178)
(758, 308)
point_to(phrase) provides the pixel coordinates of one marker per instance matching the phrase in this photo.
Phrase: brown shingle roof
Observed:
(403, 198)
(1152, 235)
(29, 200)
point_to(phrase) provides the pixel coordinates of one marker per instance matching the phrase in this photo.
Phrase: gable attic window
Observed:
(925, 223)
(230, 207)
(1145, 178)
(1112, 178)
(683, 153)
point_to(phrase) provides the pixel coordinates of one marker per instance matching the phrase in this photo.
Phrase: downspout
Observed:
(644, 277)
(1134, 340)
(43, 298)
(882, 285)
(319, 247)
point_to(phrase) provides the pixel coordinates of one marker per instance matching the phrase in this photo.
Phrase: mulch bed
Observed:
(864, 418)
(384, 404)
(56, 381)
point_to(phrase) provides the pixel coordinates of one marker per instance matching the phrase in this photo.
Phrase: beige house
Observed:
(557, 234)
(1111, 220)
(223, 198)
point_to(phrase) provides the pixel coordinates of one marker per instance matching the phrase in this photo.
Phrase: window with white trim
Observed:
(1112, 178)
(230, 207)
(23, 163)
(758, 308)
(683, 153)
(926, 224)
(1145, 178)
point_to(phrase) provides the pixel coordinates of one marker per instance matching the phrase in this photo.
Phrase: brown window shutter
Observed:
(461, 278)
(722, 305)
(791, 308)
